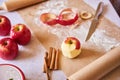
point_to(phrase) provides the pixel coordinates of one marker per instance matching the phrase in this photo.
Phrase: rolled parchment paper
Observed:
(11, 5)
(100, 67)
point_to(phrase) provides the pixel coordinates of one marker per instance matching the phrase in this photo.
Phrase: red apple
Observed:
(48, 18)
(5, 26)
(67, 16)
(71, 47)
(11, 72)
(8, 49)
(21, 34)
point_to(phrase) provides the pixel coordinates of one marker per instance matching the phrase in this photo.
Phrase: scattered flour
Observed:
(98, 38)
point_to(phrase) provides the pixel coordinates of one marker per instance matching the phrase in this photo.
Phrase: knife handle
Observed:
(99, 10)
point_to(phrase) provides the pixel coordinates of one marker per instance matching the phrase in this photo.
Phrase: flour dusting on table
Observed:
(99, 38)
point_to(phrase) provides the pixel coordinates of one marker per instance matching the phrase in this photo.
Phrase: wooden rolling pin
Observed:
(11, 5)
(100, 67)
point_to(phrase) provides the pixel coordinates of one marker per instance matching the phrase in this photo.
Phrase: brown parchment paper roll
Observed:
(100, 67)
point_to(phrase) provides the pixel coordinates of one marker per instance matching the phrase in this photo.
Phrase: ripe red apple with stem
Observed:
(21, 34)
(5, 26)
(8, 49)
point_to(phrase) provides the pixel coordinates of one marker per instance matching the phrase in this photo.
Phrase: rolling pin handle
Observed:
(1, 8)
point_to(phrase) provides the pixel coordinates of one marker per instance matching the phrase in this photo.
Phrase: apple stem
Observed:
(17, 29)
(70, 42)
(5, 43)
(11, 79)
(0, 20)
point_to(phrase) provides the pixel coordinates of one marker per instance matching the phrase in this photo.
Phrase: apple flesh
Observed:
(20, 34)
(5, 26)
(85, 15)
(71, 47)
(8, 49)
(11, 72)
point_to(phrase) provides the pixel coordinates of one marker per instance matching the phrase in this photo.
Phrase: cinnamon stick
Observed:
(46, 55)
(49, 56)
(53, 59)
(46, 68)
(56, 59)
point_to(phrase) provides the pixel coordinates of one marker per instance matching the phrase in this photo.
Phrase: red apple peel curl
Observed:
(49, 18)
(67, 16)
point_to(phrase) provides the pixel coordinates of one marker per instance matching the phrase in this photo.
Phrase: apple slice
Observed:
(49, 18)
(71, 47)
(67, 16)
(11, 72)
(85, 15)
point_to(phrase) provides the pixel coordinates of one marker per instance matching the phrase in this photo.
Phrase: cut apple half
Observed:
(85, 15)
(48, 18)
(67, 16)
(11, 72)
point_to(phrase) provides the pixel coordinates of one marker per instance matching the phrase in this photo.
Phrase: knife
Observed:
(95, 20)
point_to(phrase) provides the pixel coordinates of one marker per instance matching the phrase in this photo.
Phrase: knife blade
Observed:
(95, 20)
